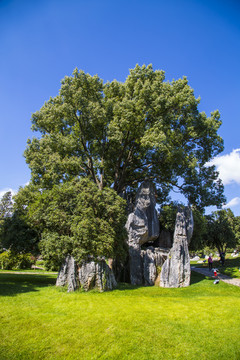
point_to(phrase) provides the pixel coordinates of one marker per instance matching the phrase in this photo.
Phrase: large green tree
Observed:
(120, 133)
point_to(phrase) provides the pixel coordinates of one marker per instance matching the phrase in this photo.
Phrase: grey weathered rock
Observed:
(189, 223)
(142, 226)
(67, 275)
(152, 261)
(149, 266)
(96, 275)
(176, 269)
(160, 256)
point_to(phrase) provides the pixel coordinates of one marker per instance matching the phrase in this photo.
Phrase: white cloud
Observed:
(232, 203)
(13, 191)
(228, 167)
(3, 191)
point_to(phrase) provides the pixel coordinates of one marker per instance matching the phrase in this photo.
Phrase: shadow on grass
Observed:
(14, 284)
(195, 278)
(126, 286)
(229, 271)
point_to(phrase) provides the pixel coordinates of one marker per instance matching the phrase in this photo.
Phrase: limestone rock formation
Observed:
(96, 275)
(176, 269)
(149, 266)
(152, 261)
(67, 275)
(142, 226)
(160, 256)
(90, 275)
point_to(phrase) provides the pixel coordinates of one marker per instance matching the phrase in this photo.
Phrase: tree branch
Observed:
(90, 160)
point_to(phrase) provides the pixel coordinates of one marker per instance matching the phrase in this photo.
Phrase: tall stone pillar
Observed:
(176, 270)
(142, 226)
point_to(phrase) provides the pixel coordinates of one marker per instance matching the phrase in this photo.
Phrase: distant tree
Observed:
(6, 206)
(18, 236)
(198, 241)
(220, 230)
(168, 218)
(120, 133)
(15, 233)
(76, 218)
(237, 229)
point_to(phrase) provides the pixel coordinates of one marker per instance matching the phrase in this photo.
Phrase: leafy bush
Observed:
(6, 260)
(10, 260)
(40, 262)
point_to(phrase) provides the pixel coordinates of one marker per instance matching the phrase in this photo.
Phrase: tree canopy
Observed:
(6, 206)
(15, 233)
(120, 133)
(221, 231)
(167, 221)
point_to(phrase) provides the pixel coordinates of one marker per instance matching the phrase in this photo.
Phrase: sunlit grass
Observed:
(39, 321)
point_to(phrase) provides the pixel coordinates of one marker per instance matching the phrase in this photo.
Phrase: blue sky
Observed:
(42, 41)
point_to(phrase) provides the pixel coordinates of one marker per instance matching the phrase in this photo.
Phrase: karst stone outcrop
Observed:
(96, 275)
(152, 261)
(176, 270)
(67, 275)
(91, 274)
(148, 266)
(142, 226)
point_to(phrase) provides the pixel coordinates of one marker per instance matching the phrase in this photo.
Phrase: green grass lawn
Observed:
(40, 321)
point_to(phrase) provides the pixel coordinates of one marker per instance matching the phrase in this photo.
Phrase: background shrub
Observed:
(10, 260)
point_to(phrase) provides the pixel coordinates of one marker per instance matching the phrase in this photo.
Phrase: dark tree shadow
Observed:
(197, 277)
(14, 284)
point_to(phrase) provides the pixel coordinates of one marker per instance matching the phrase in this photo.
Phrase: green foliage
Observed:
(10, 260)
(167, 217)
(98, 140)
(6, 206)
(199, 238)
(119, 134)
(220, 230)
(5, 211)
(79, 219)
(167, 220)
(15, 232)
(17, 235)
(236, 226)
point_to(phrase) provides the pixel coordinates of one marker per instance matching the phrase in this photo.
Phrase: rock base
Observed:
(67, 275)
(90, 275)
